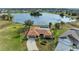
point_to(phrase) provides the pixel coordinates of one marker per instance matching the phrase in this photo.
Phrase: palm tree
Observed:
(62, 23)
(57, 26)
(50, 25)
(28, 23)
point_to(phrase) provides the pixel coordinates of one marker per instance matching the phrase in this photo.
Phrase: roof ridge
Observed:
(77, 37)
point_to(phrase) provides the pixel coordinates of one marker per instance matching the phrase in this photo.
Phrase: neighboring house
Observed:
(68, 41)
(39, 32)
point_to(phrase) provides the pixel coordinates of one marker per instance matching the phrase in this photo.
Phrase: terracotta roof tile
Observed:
(36, 31)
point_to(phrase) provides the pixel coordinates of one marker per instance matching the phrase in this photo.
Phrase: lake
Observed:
(41, 20)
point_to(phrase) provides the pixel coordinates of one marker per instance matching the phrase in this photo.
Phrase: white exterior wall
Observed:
(64, 45)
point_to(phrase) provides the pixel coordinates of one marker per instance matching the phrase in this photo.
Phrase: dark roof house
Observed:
(69, 40)
(72, 32)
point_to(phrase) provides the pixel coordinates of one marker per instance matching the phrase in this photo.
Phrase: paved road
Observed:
(31, 45)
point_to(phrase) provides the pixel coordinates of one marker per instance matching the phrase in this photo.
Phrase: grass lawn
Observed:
(10, 39)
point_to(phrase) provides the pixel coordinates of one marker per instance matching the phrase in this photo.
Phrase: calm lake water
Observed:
(41, 20)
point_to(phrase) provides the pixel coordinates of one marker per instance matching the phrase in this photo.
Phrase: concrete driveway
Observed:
(31, 45)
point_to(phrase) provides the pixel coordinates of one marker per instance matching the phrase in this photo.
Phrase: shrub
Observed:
(74, 14)
(25, 38)
(17, 36)
(43, 42)
(77, 18)
(57, 26)
(61, 14)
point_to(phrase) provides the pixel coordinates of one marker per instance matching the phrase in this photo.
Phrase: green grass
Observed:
(10, 39)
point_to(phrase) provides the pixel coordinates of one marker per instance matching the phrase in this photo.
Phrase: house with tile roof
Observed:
(39, 32)
(68, 41)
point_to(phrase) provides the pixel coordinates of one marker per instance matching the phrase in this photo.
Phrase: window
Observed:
(63, 37)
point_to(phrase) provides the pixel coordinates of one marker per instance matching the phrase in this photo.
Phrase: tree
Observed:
(57, 26)
(77, 18)
(61, 14)
(50, 25)
(6, 17)
(62, 23)
(74, 14)
(9, 16)
(35, 14)
(28, 23)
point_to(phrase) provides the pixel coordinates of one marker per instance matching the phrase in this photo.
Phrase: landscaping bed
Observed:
(44, 45)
